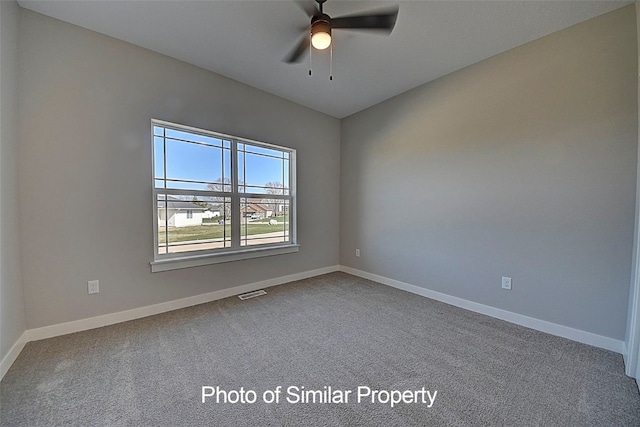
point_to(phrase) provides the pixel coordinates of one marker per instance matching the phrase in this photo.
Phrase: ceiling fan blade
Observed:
(380, 21)
(307, 6)
(296, 54)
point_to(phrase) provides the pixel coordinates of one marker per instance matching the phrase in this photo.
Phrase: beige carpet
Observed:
(334, 330)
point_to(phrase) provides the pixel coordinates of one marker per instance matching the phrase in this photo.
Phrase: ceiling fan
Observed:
(318, 34)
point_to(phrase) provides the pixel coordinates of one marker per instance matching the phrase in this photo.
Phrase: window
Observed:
(219, 198)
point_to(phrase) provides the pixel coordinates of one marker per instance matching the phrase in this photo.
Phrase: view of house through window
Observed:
(216, 193)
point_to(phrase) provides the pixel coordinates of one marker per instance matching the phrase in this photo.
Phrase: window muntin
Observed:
(203, 206)
(264, 223)
(176, 235)
(263, 170)
(209, 160)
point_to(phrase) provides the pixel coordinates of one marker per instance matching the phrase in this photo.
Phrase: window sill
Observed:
(198, 260)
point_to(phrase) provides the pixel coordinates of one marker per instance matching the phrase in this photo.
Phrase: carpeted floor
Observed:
(334, 330)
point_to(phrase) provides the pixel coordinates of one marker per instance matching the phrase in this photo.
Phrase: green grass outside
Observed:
(205, 232)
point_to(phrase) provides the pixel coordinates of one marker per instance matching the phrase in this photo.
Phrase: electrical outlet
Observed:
(506, 283)
(357, 252)
(93, 286)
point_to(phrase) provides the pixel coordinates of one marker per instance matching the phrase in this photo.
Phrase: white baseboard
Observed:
(12, 355)
(519, 319)
(137, 313)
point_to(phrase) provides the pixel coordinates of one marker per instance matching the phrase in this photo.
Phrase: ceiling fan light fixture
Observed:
(318, 35)
(321, 34)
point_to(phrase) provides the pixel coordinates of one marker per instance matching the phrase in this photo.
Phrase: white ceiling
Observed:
(246, 40)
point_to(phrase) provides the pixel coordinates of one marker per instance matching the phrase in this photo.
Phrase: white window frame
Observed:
(173, 261)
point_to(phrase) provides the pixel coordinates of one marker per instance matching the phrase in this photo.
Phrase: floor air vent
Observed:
(252, 294)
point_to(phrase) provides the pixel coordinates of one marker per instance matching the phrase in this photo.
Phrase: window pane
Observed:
(264, 222)
(265, 151)
(263, 170)
(158, 148)
(193, 162)
(193, 223)
(226, 171)
(193, 137)
(182, 185)
(241, 171)
(285, 177)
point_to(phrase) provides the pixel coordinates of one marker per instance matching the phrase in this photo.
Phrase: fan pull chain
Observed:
(331, 62)
(310, 53)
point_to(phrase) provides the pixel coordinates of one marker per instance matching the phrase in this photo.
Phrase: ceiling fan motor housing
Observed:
(321, 24)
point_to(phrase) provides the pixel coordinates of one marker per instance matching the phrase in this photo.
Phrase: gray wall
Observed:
(632, 336)
(523, 165)
(86, 101)
(12, 317)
